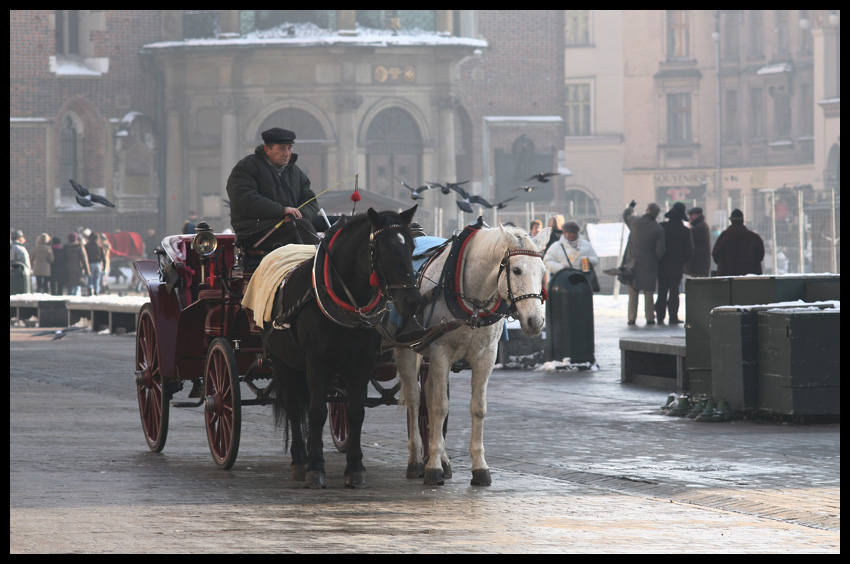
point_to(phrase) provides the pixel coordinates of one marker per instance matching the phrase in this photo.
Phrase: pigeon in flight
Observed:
(526, 188)
(57, 334)
(543, 176)
(86, 198)
(415, 193)
(449, 187)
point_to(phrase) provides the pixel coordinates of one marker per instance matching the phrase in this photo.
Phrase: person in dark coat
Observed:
(268, 186)
(644, 249)
(76, 265)
(738, 251)
(700, 263)
(679, 249)
(58, 273)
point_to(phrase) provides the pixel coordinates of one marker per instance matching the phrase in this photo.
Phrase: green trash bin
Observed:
(569, 318)
(20, 278)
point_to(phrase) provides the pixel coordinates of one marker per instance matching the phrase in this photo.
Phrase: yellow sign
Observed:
(392, 75)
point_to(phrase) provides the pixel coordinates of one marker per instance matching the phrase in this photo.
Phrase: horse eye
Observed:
(517, 271)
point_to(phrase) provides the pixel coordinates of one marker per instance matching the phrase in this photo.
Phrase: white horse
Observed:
(495, 265)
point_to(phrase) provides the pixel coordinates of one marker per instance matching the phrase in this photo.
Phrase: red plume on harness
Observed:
(355, 196)
(373, 280)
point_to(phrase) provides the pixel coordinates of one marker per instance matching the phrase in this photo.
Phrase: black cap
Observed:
(677, 211)
(737, 215)
(695, 210)
(278, 135)
(570, 227)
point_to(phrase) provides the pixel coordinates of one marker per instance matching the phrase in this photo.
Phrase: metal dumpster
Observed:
(569, 318)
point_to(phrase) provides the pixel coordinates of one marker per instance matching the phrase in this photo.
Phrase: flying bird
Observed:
(526, 188)
(543, 176)
(86, 198)
(415, 193)
(57, 334)
(449, 186)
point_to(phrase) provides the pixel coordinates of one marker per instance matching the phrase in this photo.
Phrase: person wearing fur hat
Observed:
(266, 187)
(679, 249)
(738, 251)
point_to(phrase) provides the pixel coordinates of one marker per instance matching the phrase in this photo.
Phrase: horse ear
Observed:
(407, 215)
(542, 238)
(374, 218)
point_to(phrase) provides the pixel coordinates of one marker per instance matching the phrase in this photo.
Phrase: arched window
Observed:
(310, 142)
(70, 151)
(394, 147)
(579, 204)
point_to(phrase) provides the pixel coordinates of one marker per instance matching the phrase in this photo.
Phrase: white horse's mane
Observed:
(493, 241)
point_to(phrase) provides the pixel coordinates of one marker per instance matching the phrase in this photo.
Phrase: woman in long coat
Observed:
(76, 265)
(42, 260)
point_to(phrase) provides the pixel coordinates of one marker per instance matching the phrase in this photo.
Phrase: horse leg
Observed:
(355, 472)
(407, 364)
(482, 366)
(317, 415)
(298, 448)
(436, 393)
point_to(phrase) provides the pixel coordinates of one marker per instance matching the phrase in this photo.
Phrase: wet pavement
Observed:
(580, 463)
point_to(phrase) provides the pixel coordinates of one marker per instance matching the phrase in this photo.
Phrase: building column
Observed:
(446, 155)
(346, 112)
(175, 185)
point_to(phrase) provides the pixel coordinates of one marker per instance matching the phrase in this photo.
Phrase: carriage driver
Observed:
(266, 187)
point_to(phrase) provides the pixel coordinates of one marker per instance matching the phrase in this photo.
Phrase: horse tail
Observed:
(281, 419)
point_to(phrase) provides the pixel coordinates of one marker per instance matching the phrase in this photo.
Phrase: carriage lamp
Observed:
(205, 242)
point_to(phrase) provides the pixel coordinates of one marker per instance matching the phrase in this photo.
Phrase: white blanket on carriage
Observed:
(259, 297)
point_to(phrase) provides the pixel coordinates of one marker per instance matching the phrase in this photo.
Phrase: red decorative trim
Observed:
(458, 272)
(336, 299)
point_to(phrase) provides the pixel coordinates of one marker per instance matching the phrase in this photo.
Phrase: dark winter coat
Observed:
(258, 195)
(679, 246)
(76, 265)
(59, 273)
(700, 263)
(738, 251)
(645, 248)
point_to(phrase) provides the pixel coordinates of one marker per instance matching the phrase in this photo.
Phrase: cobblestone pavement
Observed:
(580, 463)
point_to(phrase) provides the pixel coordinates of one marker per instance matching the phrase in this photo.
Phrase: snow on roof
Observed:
(308, 34)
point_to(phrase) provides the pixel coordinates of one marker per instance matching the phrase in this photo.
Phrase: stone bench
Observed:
(657, 362)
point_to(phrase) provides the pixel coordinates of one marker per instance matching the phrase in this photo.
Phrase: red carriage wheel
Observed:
(154, 396)
(338, 420)
(222, 403)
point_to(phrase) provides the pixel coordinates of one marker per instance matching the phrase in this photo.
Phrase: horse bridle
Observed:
(505, 265)
(378, 269)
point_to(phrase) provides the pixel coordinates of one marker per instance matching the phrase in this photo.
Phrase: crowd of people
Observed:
(658, 255)
(77, 266)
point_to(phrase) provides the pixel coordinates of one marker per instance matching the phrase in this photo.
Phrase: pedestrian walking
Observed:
(679, 249)
(77, 268)
(58, 273)
(645, 247)
(96, 256)
(738, 251)
(42, 262)
(700, 263)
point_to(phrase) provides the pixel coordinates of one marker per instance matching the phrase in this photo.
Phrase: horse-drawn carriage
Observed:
(318, 351)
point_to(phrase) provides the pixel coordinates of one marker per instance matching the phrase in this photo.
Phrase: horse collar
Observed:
(477, 316)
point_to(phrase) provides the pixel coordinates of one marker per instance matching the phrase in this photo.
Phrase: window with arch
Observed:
(310, 142)
(70, 152)
(579, 204)
(394, 146)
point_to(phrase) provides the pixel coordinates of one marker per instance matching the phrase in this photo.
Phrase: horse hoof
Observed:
(299, 472)
(447, 470)
(356, 480)
(314, 480)
(481, 477)
(416, 470)
(434, 477)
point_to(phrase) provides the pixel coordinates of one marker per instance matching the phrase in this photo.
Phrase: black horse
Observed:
(324, 335)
